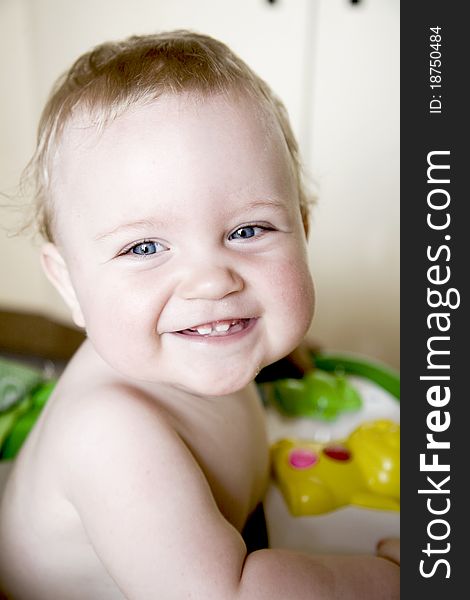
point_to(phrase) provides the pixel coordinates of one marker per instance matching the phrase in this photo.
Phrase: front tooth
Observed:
(222, 327)
(204, 330)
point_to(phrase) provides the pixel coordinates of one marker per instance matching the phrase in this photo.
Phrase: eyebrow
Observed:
(140, 224)
(274, 203)
(269, 203)
(143, 223)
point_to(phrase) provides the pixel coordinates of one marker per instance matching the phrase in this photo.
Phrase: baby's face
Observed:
(181, 230)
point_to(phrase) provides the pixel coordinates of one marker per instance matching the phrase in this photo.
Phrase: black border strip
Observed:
(423, 132)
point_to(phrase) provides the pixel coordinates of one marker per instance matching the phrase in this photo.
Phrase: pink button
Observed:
(337, 453)
(302, 458)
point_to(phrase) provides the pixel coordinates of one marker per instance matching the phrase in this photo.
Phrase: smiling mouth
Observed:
(217, 328)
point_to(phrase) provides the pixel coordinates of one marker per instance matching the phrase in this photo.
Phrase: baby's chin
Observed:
(207, 381)
(214, 381)
(218, 384)
(204, 377)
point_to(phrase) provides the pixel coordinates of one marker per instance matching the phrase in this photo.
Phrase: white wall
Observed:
(354, 157)
(336, 67)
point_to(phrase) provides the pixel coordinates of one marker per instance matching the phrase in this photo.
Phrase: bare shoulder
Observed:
(110, 426)
(93, 411)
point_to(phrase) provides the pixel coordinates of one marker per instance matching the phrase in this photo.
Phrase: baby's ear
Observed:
(57, 272)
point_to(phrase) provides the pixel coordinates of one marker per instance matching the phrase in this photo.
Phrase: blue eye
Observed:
(146, 248)
(243, 233)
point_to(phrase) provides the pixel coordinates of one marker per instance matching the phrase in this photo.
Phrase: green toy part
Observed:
(16, 381)
(318, 395)
(24, 419)
(344, 364)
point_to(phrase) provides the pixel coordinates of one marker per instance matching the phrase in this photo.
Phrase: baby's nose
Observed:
(210, 282)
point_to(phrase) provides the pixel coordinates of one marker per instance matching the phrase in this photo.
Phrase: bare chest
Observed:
(230, 446)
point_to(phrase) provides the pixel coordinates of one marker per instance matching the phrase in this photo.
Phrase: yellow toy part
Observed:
(363, 470)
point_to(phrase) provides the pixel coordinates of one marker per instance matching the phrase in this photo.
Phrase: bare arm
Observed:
(283, 574)
(151, 518)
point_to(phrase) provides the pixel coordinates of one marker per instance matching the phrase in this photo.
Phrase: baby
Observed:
(169, 192)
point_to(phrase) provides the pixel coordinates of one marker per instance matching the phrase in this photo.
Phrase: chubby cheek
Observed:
(292, 304)
(120, 322)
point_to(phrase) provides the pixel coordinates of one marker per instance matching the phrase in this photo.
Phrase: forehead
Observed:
(176, 148)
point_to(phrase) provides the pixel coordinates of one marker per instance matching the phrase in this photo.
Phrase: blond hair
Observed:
(114, 76)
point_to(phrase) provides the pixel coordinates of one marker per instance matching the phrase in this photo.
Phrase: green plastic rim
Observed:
(382, 375)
